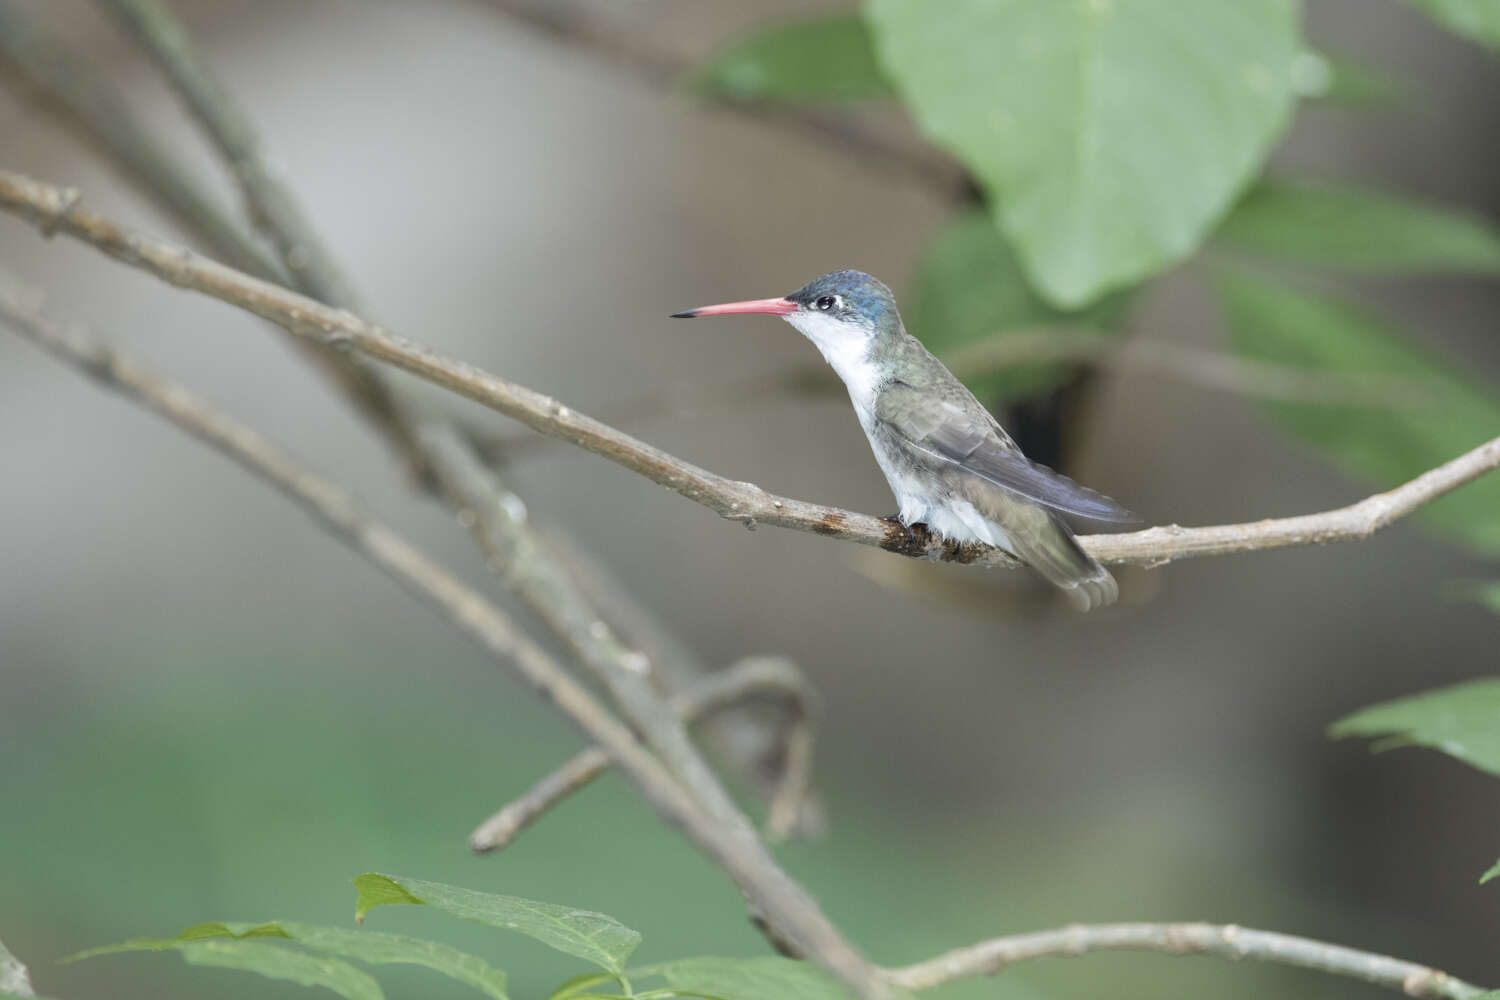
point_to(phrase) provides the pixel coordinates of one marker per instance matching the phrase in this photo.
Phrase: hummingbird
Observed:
(949, 462)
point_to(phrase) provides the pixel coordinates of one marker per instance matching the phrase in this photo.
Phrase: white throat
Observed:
(846, 348)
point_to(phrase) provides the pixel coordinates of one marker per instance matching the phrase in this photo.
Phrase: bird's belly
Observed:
(927, 501)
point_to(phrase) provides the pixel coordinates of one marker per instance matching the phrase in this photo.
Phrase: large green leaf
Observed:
(1436, 413)
(1476, 19)
(1110, 134)
(1463, 721)
(594, 937)
(366, 946)
(1332, 225)
(767, 978)
(969, 288)
(817, 59)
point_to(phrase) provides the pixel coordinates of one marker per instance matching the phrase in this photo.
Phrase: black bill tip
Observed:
(685, 314)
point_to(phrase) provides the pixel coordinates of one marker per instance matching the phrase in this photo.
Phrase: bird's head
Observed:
(843, 313)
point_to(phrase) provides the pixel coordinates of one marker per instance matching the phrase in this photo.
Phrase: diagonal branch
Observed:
(1225, 941)
(769, 890)
(793, 919)
(53, 210)
(751, 677)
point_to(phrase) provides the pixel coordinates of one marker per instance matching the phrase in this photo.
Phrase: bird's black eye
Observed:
(826, 302)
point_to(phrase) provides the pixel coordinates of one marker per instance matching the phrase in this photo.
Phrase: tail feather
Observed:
(1057, 556)
(1044, 541)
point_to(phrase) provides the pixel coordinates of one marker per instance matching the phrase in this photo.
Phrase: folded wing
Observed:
(946, 433)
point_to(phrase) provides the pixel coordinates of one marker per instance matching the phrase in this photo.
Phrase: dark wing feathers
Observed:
(944, 432)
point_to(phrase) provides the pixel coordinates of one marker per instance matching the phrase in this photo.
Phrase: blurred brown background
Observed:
(208, 710)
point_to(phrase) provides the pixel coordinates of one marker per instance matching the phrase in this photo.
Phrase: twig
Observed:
(793, 918)
(769, 889)
(1224, 941)
(746, 679)
(48, 207)
(567, 23)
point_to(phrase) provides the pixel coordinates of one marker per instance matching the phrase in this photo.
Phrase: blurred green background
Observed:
(208, 710)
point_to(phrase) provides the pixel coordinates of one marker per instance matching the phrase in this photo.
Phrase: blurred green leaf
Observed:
(1338, 226)
(366, 946)
(1352, 83)
(1446, 415)
(748, 979)
(1475, 19)
(969, 287)
(584, 934)
(1488, 594)
(1492, 873)
(817, 59)
(1110, 135)
(1463, 721)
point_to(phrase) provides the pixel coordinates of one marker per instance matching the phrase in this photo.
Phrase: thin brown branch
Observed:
(749, 678)
(54, 210)
(770, 891)
(1224, 941)
(656, 66)
(79, 98)
(793, 919)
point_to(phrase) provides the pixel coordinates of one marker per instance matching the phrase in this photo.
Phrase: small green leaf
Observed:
(277, 962)
(584, 934)
(969, 288)
(768, 978)
(1357, 229)
(366, 946)
(581, 984)
(1492, 873)
(1475, 19)
(1463, 721)
(817, 59)
(1441, 414)
(374, 890)
(197, 932)
(198, 947)
(1110, 134)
